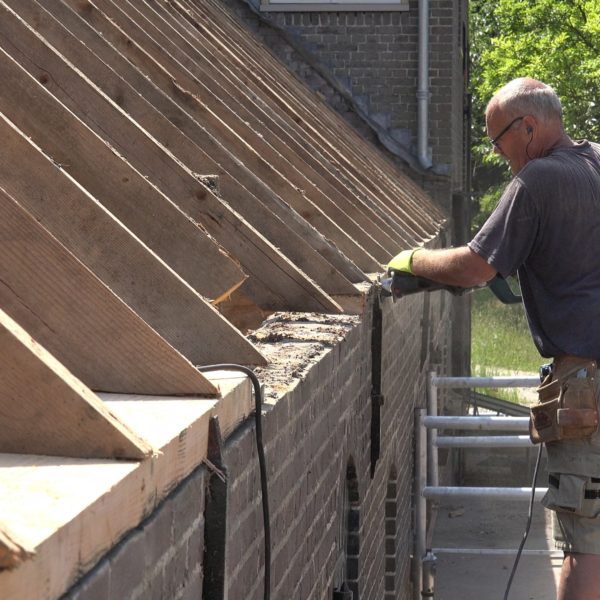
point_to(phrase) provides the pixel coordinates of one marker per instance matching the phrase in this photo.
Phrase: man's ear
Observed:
(530, 124)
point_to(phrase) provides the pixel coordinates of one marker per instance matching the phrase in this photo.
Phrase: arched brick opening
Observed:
(352, 528)
(391, 527)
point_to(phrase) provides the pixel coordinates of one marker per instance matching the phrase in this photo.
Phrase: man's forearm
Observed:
(453, 266)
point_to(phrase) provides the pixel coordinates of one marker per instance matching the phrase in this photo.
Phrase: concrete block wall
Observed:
(331, 521)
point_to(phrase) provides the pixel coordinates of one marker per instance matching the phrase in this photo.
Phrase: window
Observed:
(332, 5)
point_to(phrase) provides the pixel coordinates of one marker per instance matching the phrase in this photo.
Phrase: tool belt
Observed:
(568, 404)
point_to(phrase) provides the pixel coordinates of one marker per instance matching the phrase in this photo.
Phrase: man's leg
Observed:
(580, 577)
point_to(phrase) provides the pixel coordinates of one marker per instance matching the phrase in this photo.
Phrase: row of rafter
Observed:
(166, 183)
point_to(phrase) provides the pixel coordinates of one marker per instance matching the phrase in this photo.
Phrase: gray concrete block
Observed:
(195, 548)
(154, 589)
(158, 533)
(94, 586)
(175, 573)
(188, 503)
(127, 565)
(193, 587)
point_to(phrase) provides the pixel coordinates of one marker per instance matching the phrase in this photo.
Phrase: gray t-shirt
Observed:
(546, 227)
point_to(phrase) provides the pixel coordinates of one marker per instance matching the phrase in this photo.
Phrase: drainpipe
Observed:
(423, 88)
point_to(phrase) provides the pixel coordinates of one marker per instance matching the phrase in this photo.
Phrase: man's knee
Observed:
(580, 577)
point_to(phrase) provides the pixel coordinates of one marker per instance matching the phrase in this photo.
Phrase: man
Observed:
(546, 228)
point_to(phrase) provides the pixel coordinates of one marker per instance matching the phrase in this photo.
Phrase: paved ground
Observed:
(493, 525)
(486, 523)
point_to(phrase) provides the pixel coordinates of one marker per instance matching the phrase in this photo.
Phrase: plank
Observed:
(244, 191)
(329, 131)
(272, 76)
(80, 321)
(242, 312)
(234, 62)
(88, 159)
(118, 258)
(246, 144)
(46, 410)
(336, 142)
(72, 511)
(209, 147)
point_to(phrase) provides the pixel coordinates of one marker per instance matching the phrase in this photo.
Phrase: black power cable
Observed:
(261, 459)
(529, 517)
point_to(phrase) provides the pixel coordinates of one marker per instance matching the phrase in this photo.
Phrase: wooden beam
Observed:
(241, 311)
(346, 159)
(207, 62)
(161, 225)
(100, 170)
(145, 103)
(118, 258)
(46, 410)
(197, 41)
(68, 310)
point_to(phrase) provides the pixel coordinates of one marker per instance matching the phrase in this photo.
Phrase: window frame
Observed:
(333, 5)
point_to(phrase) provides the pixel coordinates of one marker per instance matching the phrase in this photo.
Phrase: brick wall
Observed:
(161, 559)
(328, 526)
(330, 520)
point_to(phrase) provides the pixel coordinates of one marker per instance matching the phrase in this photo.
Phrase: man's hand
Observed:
(403, 261)
(452, 266)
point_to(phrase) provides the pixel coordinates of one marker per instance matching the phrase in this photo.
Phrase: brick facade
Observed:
(330, 520)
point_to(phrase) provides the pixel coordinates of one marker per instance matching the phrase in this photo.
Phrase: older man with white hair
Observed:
(546, 228)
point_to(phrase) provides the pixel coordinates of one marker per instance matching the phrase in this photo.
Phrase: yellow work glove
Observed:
(403, 261)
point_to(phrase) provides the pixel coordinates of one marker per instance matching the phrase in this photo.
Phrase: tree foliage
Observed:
(556, 41)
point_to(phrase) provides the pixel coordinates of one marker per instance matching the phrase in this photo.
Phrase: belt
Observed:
(589, 494)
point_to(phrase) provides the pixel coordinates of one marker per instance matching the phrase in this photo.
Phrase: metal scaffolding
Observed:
(427, 424)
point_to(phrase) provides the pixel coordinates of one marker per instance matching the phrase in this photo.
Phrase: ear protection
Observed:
(529, 130)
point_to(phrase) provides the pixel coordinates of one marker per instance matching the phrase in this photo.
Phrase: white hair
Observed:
(527, 96)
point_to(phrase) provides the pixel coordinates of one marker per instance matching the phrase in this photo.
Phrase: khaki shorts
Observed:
(575, 500)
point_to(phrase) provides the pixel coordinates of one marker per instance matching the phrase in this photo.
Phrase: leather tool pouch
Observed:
(567, 407)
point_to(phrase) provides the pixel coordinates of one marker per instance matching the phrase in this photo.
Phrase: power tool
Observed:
(398, 284)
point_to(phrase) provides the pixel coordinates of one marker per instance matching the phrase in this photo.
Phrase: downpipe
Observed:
(423, 94)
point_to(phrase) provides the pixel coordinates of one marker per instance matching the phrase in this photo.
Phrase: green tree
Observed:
(556, 41)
